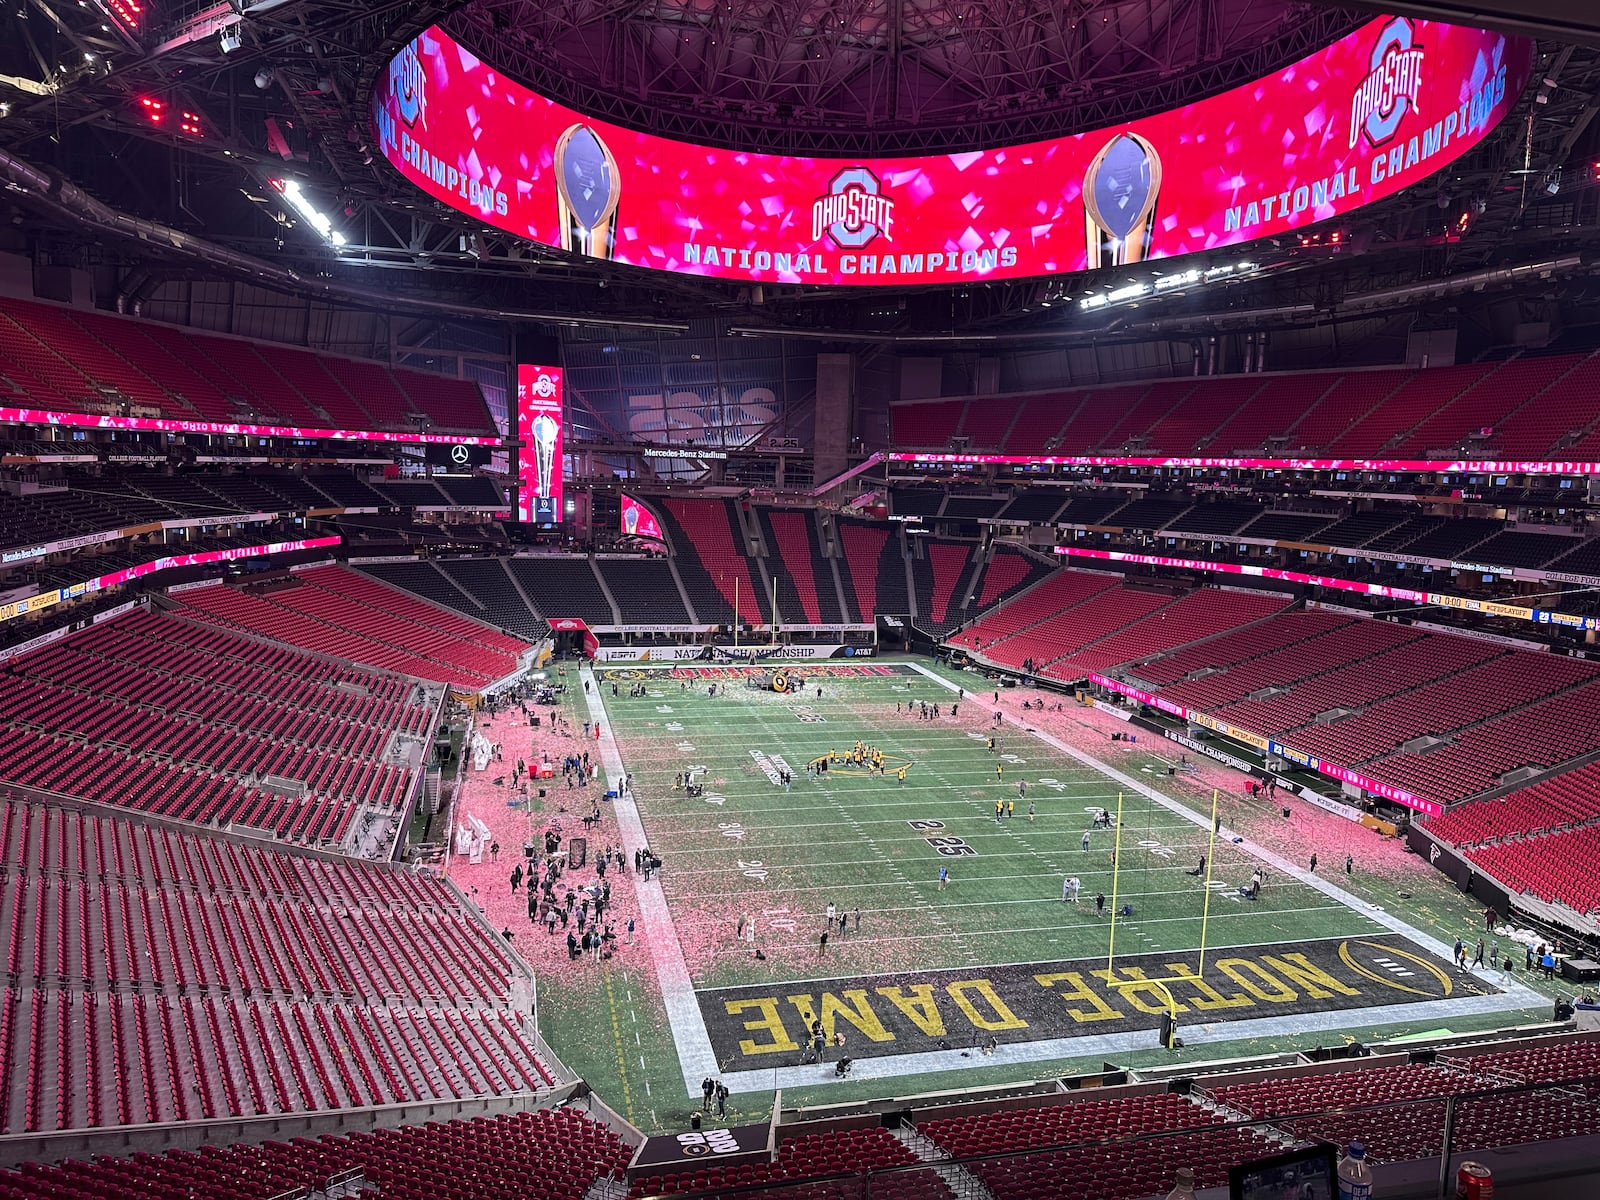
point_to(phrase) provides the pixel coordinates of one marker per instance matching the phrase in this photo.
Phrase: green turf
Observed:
(849, 840)
(751, 849)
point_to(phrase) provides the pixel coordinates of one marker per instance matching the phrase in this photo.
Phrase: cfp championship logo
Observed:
(408, 85)
(1120, 192)
(1392, 85)
(855, 212)
(715, 1141)
(587, 192)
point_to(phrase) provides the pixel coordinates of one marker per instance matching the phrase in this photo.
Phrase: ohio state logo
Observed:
(408, 85)
(544, 387)
(854, 211)
(1391, 87)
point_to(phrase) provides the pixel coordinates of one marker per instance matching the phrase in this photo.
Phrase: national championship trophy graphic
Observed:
(630, 520)
(587, 191)
(544, 431)
(1120, 190)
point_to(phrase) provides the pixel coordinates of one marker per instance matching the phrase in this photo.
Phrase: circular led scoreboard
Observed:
(1376, 111)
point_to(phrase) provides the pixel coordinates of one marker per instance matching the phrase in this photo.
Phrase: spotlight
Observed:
(263, 79)
(230, 39)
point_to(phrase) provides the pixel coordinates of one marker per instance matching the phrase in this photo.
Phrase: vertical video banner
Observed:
(639, 521)
(539, 425)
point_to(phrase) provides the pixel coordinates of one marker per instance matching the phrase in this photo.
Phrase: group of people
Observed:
(1072, 885)
(582, 907)
(923, 710)
(646, 863)
(713, 1094)
(835, 917)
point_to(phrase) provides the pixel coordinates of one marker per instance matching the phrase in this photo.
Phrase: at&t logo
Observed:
(854, 211)
(408, 85)
(1391, 87)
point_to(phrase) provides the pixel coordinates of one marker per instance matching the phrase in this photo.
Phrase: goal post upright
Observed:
(1116, 874)
(1211, 862)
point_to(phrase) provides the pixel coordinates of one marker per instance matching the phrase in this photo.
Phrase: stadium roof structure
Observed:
(248, 93)
(887, 77)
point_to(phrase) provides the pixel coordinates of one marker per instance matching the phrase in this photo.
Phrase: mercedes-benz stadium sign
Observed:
(1380, 109)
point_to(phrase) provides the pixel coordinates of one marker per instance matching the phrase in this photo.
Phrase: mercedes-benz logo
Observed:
(459, 454)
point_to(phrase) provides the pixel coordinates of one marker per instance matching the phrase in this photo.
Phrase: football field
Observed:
(998, 963)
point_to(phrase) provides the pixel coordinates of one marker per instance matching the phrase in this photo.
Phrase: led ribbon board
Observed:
(639, 521)
(1376, 111)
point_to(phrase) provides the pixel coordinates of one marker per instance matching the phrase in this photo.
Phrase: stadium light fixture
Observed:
(296, 199)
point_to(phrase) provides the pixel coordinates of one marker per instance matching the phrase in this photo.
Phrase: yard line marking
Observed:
(803, 943)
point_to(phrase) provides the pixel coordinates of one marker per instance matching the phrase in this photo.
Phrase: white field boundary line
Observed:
(689, 1033)
(1526, 996)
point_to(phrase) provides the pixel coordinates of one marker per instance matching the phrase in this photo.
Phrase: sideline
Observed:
(687, 1026)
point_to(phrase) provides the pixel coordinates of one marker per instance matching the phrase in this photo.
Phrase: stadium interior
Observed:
(462, 459)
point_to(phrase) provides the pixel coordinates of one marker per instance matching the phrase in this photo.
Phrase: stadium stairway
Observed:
(644, 590)
(959, 1180)
(713, 563)
(563, 586)
(487, 581)
(876, 572)
(1108, 614)
(803, 574)
(1029, 608)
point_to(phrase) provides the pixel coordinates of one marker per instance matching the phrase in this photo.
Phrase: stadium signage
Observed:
(27, 604)
(1221, 756)
(1332, 770)
(81, 420)
(1426, 466)
(72, 543)
(1358, 120)
(677, 654)
(1464, 603)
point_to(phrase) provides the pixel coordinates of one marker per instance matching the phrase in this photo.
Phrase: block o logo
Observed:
(408, 85)
(855, 210)
(1391, 88)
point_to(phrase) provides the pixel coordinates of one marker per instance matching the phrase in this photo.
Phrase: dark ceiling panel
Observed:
(1559, 20)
